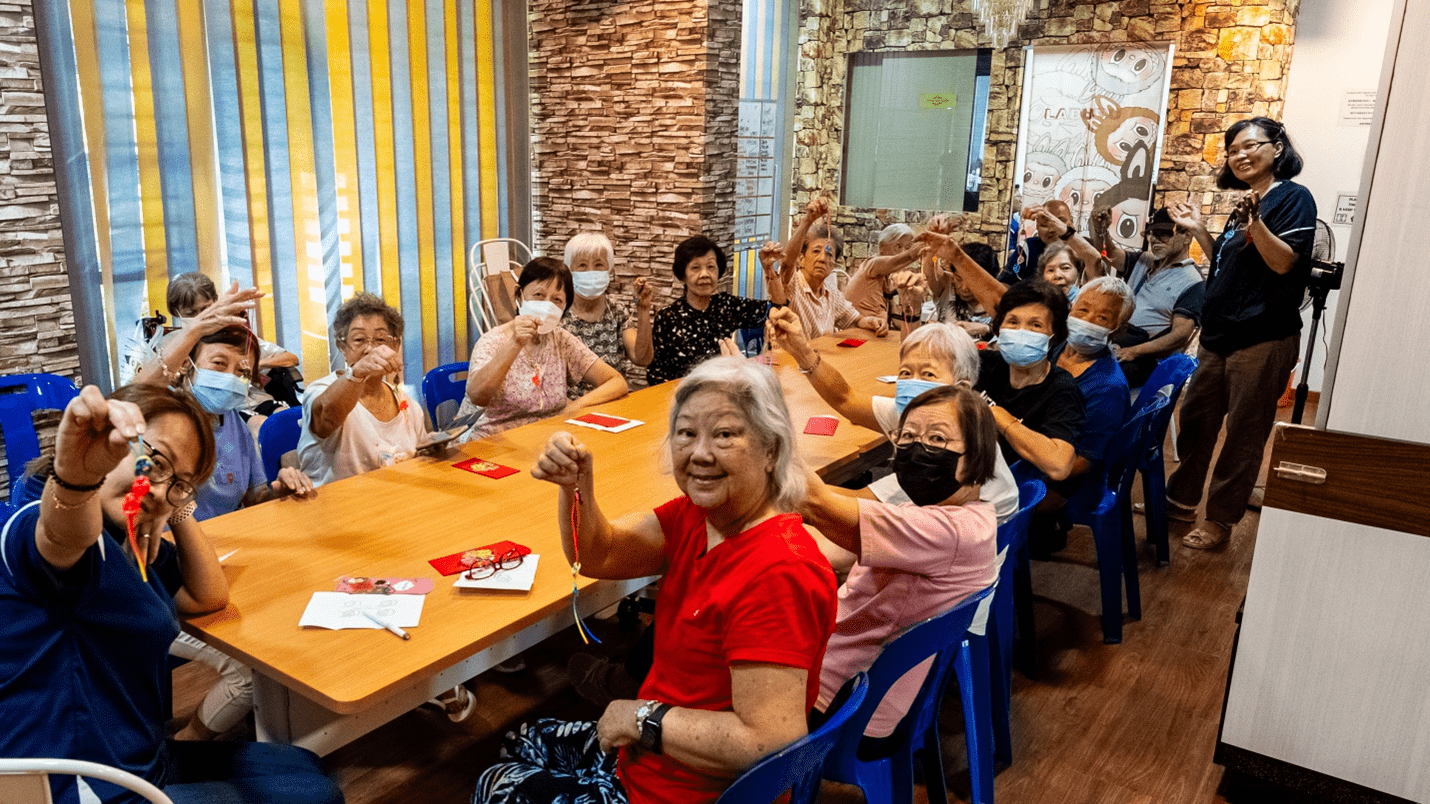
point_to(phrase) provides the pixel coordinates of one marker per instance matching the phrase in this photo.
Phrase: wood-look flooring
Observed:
(1133, 723)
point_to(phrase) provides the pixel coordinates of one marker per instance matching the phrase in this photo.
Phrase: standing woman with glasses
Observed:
(1251, 326)
(359, 418)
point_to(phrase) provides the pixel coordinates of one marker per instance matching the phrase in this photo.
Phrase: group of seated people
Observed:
(1052, 394)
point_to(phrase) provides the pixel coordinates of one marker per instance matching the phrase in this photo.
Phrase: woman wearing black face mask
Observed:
(917, 559)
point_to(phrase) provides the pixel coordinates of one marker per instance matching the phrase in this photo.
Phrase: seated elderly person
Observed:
(915, 559)
(809, 258)
(932, 356)
(1168, 285)
(197, 310)
(873, 286)
(1060, 267)
(690, 330)
(360, 418)
(607, 327)
(1053, 222)
(954, 301)
(1037, 404)
(732, 682)
(520, 371)
(90, 611)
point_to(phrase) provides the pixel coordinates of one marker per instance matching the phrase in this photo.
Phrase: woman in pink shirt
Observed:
(916, 559)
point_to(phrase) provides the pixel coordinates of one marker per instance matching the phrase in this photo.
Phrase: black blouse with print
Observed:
(683, 336)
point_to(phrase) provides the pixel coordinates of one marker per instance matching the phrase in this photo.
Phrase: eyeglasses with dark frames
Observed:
(487, 567)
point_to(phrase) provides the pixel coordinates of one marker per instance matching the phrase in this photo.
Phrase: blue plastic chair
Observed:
(994, 648)
(1167, 380)
(799, 766)
(887, 775)
(441, 386)
(277, 436)
(21, 395)
(1104, 507)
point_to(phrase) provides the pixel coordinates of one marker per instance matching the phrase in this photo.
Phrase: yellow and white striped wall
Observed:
(310, 148)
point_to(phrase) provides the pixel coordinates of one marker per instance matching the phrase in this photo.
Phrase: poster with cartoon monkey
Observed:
(1091, 131)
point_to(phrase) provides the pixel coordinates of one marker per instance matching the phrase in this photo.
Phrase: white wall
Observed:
(1340, 47)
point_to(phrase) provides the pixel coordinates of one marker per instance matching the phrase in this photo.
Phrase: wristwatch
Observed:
(648, 718)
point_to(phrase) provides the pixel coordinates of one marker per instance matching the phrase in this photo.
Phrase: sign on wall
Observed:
(1091, 131)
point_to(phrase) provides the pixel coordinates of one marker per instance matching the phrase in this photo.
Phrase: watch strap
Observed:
(651, 729)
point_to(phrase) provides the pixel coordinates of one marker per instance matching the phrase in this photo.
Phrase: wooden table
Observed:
(322, 689)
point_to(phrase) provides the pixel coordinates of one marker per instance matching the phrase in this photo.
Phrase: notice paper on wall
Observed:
(338, 610)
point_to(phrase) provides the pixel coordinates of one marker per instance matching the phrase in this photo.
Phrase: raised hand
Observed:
(524, 328)
(564, 460)
(770, 253)
(380, 361)
(644, 293)
(817, 208)
(94, 436)
(1187, 216)
(1248, 207)
(228, 311)
(1100, 222)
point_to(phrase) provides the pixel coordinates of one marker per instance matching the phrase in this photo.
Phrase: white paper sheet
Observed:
(339, 610)
(518, 579)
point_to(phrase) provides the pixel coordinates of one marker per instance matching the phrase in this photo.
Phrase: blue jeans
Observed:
(247, 773)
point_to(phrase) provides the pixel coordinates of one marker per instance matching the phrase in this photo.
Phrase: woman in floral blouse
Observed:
(605, 325)
(690, 330)
(520, 370)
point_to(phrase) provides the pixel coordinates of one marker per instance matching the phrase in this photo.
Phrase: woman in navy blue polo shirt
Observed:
(1251, 327)
(87, 636)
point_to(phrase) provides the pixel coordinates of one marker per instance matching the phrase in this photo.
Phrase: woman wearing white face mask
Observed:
(520, 370)
(603, 324)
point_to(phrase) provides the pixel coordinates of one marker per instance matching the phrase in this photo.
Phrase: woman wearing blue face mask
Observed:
(221, 367)
(605, 325)
(1037, 405)
(519, 371)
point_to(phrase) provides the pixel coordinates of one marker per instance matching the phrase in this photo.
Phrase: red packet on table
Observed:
(821, 425)
(851, 342)
(602, 420)
(485, 468)
(363, 585)
(461, 562)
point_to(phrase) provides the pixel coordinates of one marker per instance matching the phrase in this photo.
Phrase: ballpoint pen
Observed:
(389, 626)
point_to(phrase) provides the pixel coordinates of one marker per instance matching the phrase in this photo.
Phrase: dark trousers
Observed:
(247, 773)
(1241, 388)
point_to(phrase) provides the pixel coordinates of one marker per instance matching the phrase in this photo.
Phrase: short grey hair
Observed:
(894, 231)
(756, 392)
(947, 342)
(1115, 287)
(590, 243)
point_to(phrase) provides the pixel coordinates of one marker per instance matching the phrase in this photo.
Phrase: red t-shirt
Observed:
(765, 595)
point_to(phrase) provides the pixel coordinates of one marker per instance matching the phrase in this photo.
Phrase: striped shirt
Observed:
(822, 314)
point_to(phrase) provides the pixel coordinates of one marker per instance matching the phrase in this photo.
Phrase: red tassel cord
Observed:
(586, 636)
(134, 500)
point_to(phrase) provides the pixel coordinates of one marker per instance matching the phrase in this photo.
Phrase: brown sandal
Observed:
(1208, 536)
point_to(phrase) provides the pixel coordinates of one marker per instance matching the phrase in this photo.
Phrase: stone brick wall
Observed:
(634, 107)
(36, 318)
(1230, 63)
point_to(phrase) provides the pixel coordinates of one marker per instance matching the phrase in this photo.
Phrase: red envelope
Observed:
(851, 342)
(601, 420)
(485, 468)
(821, 425)
(461, 562)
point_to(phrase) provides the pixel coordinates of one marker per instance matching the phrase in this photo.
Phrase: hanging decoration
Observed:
(1000, 18)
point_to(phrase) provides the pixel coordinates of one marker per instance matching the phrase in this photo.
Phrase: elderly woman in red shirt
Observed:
(746, 607)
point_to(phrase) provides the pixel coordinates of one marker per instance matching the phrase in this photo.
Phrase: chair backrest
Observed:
(279, 435)
(938, 636)
(1013, 533)
(440, 388)
(26, 781)
(20, 396)
(492, 266)
(1130, 441)
(798, 766)
(1174, 371)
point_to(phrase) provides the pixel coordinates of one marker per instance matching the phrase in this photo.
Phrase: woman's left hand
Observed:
(728, 347)
(617, 727)
(874, 324)
(644, 291)
(1248, 207)
(291, 481)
